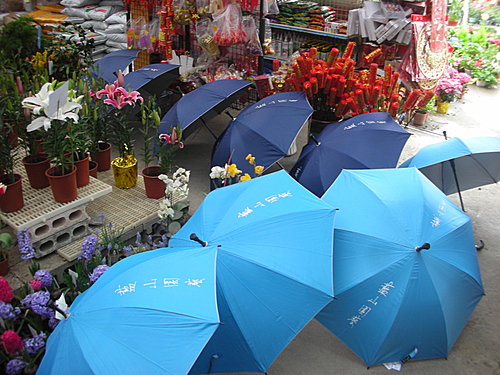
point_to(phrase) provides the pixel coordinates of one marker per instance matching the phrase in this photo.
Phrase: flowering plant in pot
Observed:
(120, 131)
(150, 119)
(62, 135)
(12, 199)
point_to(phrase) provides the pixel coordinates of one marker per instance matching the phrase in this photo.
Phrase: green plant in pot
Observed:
(486, 74)
(61, 133)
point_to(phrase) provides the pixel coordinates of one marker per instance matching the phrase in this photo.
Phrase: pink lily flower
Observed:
(165, 138)
(109, 91)
(120, 80)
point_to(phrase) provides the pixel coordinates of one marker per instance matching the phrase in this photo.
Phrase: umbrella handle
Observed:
(194, 237)
(425, 246)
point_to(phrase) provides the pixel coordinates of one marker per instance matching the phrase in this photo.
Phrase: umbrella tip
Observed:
(425, 246)
(194, 237)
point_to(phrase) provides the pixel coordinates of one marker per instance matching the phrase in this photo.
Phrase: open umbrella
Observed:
(151, 79)
(459, 164)
(107, 67)
(406, 275)
(368, 141)
(151, 313)
(200, 105)
(274, 267)
(266, 130)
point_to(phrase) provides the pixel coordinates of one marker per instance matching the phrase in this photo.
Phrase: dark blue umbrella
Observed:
(151, 79)
(107, 67)
(198, 106)
(372, 140)
(266, 130)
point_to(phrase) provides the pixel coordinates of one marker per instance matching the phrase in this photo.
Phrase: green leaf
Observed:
(6, 240)
(181, 205)
(174, 227)
(178, 215)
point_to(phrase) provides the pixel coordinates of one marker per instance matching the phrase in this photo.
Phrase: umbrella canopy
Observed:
(151, 79)
(202, 104)
(368, 141)
(274, 270)
(107, 67)
(151, 313)
(459, 164)
(266, 130)
(406, 274)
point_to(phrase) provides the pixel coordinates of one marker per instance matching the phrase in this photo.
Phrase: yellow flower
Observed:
(245, 177)
(258, 169)
(251, 159)
(232, 170)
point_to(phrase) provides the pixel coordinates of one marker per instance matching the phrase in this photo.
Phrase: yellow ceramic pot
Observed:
(125, 171)
(442, 107)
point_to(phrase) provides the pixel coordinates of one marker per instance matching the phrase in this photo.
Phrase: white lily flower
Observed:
(67, 111)
(39, 101)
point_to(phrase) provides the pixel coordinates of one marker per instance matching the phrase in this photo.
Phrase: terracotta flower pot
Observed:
(82, 171)
(63, 186)
(4, 266)
(103, 157)
(35, 166)
(420, 118)
(155, 188)
(93, 168)
(13, 199)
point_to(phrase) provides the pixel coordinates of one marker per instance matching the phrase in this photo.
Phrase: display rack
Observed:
(307, 31)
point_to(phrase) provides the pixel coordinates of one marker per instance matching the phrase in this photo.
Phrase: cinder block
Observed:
(61, 238)
(57, 223)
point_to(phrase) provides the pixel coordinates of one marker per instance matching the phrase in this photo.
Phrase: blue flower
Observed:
(24, 244)
(7, 311)
(53, 322)
(37, 302)
(89, 246)
(45, 277)
(34, 344)
(97, 272)
(15, 367)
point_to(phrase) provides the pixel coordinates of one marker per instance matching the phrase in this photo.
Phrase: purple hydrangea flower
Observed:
(97, 272)
(15, 367)
(7, 311)
(24, 244)
(53, 322)
(127, 250)
(37, 302)
(89, 246)
(34, 344)
(45, 277)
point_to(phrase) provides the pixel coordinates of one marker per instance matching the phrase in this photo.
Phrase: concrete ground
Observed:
(477, 351)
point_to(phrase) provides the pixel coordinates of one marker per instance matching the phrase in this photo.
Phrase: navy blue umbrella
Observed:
(107, 67)
(368, 141)
(266, 130)
(151, 79)
(200, 105)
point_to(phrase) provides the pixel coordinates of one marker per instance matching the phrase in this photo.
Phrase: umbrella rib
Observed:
(151, 309)
(483, 168)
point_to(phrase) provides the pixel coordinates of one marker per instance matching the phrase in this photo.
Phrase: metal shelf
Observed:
(306, 30)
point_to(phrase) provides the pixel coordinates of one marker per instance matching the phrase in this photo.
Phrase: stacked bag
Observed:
(108, 35)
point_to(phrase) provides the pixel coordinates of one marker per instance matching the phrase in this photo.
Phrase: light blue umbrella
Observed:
(274, 267)
(151, 313)
(459, 164)
(406, 275)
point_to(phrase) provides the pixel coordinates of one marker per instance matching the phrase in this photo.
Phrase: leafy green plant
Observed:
(6, 241)
(150, 119)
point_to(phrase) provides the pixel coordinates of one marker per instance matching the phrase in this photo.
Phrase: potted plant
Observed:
(5, 243)
(486, 74)
(60, 140)
(422, 112)
(454, 12)
(95, 117)
(447, 90)
(150, 119)
(121, 133)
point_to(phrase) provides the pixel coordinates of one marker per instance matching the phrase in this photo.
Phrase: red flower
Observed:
(36, 284)
(5, 291)
(12, 342)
